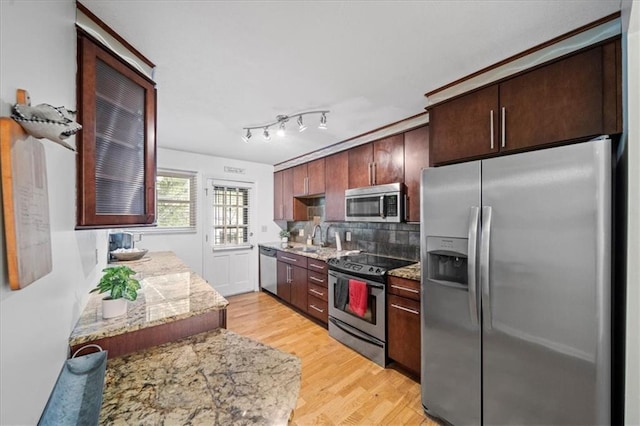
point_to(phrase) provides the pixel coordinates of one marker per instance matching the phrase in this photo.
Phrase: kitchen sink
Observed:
(306, 249)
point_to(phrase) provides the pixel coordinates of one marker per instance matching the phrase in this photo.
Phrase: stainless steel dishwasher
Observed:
(268, 270)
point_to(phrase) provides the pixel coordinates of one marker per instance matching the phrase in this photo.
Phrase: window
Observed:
(176, 200)
(230, 216)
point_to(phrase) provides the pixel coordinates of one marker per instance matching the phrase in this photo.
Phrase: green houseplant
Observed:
(284, 237)
(117, 281)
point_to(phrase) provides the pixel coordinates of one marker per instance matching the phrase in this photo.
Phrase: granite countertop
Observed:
(170, 291)
(410, 272)
(216, 377)
(320, 253)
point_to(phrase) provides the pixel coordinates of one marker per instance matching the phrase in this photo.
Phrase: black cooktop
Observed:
(366, 265)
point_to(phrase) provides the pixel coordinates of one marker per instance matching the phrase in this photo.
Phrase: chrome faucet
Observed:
(313, 235)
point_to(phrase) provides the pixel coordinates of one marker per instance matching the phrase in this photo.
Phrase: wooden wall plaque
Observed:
(25, 202)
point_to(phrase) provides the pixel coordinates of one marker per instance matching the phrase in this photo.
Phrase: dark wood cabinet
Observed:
(573, 98)
(299, 287)
(377, 163)
(403, 323)
(278, 206)
(309, 178)
(283, 195)
(388, 160)
(336, 182)
(283, 281)
(360, 160)
(465, 127)
(116, 173)
(416, 157)
(292, 279)
(318, 293)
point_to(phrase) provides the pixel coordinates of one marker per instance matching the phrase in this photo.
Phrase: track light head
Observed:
(266, 135)
(246, 137)
(301, 125)
(323, 122)
(280, 131)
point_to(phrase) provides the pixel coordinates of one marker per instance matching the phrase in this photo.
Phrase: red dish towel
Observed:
(358, 297)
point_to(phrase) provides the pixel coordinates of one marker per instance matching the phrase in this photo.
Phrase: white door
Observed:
(230, 262)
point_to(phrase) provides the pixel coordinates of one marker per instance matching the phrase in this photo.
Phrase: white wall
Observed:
(632, 393)
(38, 53)
(189, 247)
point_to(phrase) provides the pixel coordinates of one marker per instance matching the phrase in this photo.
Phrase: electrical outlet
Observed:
(301, 232)
(347, 236)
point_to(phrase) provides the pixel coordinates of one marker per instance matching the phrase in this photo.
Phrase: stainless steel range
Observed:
(360, 324)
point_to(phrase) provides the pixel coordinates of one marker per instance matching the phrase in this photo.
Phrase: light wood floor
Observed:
(339, 386)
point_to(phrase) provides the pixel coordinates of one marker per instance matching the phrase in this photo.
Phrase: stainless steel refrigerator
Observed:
(516, 277)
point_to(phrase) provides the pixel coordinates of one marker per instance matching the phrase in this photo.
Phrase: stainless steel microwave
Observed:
(380, 203)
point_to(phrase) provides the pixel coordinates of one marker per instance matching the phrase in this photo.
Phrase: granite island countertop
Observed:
(215, 378)
(170, 292)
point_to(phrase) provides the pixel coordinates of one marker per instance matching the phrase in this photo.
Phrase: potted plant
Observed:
(284, 237)
(117, 281)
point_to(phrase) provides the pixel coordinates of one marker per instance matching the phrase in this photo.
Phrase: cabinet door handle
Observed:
(318, 280)
(306, 185)
(288, 274)
(412, 290)
(375, 170)
(504, 118)
(317, 309)
(314, 291)
(313, 265)
(402, 308)
(288, 258)
(491, 126)
(370, 174)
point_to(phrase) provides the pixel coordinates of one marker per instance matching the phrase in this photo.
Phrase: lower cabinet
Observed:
(302, 282)
(403, 323)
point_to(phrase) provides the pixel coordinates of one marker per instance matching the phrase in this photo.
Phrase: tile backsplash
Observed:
(401, 240)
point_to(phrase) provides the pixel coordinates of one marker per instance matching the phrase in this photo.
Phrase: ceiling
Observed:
(224, 65)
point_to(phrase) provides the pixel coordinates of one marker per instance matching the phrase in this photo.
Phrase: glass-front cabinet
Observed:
(117, 144)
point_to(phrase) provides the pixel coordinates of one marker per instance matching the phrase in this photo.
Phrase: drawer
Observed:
(318, 291)
(318, 308)
(403, 287)
(292, 259)
(317, 278)
(317, 265)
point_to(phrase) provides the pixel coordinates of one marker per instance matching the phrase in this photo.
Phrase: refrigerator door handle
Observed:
(484, 266)
(474, 214)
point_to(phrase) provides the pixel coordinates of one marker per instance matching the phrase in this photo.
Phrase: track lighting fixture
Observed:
(282, 119)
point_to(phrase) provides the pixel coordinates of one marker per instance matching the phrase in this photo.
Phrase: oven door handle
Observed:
(356, 333)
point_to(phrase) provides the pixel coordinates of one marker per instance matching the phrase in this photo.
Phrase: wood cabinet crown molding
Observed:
(580, 38)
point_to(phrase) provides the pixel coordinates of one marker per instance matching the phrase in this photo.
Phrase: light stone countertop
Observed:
(214, 378)
(410, 272)
(170, 291)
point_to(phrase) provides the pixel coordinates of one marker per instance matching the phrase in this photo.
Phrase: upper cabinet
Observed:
(337, 181)
(283, 195)
(308, 178)
(573, 98)
(117, 143)
(416, 158)
(377, 163)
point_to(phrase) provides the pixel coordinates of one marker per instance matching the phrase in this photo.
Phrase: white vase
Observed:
(285, 242)
(112, 308)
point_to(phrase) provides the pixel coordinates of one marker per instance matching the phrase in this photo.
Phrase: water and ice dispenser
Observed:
(447, 263)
